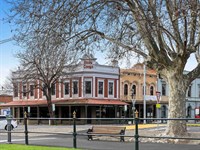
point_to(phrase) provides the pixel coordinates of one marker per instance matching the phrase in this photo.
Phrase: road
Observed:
(82, 142)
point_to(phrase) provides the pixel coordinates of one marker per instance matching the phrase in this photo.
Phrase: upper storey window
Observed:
(88, 87)
(151, 90)
(164, 89)
(16, 90)
(100, 87)
(31, 90)
(110, 88)
(24, 90)
(53, 89)
(125, 89)
(189, 91)
(134, 89)
(66, 88)
(75, 87)
(199, 90)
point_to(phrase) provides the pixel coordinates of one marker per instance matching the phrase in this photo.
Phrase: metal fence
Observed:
(74, 134)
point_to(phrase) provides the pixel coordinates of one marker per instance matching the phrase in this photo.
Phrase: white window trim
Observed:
(54, 96)
(75, 95)
(66, 95)
(100, 95)
(87, 95)
(31, 97)
(24, 97)
(111, 96)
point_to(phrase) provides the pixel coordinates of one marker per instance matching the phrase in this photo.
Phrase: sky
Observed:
(8, 50)
(9, 62)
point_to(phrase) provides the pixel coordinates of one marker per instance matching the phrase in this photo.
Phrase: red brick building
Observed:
(4, 98)
(92, 90)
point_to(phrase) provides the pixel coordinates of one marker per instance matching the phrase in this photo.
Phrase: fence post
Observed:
(9, 129)
(26, 128)
(74, 129)
(136, 131)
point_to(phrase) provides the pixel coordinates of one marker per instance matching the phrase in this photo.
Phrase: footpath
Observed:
(101, 143)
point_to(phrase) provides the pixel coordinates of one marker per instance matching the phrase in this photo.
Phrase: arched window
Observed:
(133, 90)
(125, 89)
(151, 90)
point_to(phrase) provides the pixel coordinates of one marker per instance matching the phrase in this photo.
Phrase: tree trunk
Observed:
(177, 105)
(49, 105)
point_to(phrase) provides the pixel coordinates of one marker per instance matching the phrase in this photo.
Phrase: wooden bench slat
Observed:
(107, 130)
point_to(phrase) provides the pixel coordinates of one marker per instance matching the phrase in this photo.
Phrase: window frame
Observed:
(24, 90)
(133, 90)
(31, 90)
(16, 90)
(102, 88)
(90, 87)
(75, 88)
(112, 92)
(189, 91)
(151, 90)
(125, 89)
(164, 88)
(66, 90)
(53, 89)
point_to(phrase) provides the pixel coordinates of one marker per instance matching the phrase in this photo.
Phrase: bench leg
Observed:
(90, 137)
(121, 138)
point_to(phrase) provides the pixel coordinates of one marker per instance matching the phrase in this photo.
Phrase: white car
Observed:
(3, 123)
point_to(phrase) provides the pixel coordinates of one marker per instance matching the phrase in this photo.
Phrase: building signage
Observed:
(88, 64)
(150, 97)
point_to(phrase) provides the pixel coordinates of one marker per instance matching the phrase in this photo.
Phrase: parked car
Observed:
(3, 123)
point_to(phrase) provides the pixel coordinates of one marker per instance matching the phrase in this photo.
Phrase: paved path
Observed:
(82, 142)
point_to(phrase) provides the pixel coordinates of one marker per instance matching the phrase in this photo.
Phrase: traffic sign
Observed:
(158, 106)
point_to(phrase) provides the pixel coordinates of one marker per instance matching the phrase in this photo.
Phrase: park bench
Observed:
(106, 130)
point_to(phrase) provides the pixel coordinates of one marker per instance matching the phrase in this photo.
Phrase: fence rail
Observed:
(74, 133)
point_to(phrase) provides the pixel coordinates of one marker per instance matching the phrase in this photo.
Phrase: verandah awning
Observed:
(64, 102)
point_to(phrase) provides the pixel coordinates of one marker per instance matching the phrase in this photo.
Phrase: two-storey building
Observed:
(132, 83)
(91, 89)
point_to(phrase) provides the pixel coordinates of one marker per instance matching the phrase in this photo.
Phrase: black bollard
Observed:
(74, 129)
(26, 128)
(136, 131)
(9, 130)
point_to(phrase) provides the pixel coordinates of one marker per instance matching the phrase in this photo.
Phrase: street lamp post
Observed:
(144, 90)
(133, 103)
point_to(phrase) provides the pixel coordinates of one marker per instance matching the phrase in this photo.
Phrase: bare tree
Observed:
(45, 52)
(164, 32)
(7, 86)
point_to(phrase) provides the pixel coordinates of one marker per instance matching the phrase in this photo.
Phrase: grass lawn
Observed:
(29, 147)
